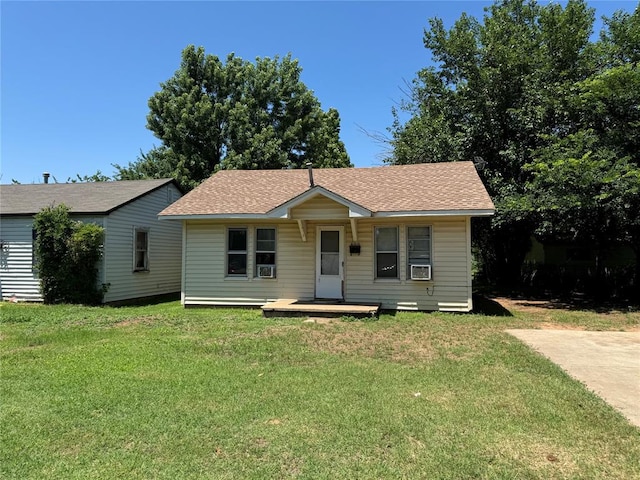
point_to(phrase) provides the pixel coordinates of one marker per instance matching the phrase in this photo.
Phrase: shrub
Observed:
(67, 254)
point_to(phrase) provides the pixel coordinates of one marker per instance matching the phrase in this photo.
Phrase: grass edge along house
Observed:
(397, 236)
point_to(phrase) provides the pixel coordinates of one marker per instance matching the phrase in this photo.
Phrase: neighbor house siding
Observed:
(18, 279)
(165, 241)
(205, 282)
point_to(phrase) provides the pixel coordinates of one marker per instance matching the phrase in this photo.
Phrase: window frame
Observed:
(244, 252)
(376, 252)
(147, 232)
(408, 256)
(257, 251)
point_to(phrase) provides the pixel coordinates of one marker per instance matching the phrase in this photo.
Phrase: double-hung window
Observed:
(140, 249)
(386, 244)
(265, 252)
(418, 247)
(237, 252)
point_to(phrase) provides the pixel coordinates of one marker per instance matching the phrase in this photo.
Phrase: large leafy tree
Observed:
(236, 114)
(586, 183)
(507, 92)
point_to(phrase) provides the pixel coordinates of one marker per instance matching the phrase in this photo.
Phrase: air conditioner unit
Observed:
(420, 272)
(266, 271)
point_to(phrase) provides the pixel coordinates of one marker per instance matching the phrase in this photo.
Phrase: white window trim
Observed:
(376, 252)
(407, 260)
(146, 230)
(256, 251)
(236, 252)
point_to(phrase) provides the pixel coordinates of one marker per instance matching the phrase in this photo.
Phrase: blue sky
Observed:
(76, 76)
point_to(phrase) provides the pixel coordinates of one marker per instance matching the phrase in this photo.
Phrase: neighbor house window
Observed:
(418, 247)
(386, 243)
(140, 249)
(265, 252)
(237, 251)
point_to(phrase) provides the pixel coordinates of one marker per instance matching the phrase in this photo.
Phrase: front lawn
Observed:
(166, 393)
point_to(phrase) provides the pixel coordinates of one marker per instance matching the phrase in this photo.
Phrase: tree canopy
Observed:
(236, 114)
(543, 111)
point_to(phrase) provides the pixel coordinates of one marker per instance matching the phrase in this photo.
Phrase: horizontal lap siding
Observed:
(450, 286)
(320, 208)
(165, 245)
(205, 281)
(205, 262)
(17, 277)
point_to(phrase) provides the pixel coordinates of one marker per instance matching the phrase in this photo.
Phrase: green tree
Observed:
(67, 254)
(586, 178)
(236, 114)
(506, 92)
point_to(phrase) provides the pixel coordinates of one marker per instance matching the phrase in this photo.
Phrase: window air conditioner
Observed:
(266, 271)
(420, 272)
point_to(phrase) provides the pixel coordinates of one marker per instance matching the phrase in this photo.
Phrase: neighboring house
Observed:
(141, 256)
(398, 236)
(578, 256)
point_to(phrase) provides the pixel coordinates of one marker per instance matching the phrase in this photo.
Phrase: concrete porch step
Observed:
(318, 308)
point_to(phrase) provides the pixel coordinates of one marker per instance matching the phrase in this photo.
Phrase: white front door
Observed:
(329, 262)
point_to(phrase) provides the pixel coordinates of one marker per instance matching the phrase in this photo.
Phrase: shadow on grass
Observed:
(532, 299)
(145, 301)
(487, 306)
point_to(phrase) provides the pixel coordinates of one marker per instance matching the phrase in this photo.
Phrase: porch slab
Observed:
(318, 308)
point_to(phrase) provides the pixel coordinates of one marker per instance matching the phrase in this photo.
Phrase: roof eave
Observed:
(213, 216)
(437, 213)
(269, 216)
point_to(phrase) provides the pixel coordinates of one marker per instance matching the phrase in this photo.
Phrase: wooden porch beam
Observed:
(354, 230)
(302, 226)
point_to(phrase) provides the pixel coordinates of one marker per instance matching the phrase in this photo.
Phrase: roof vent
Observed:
(310, 167)
(46, 176)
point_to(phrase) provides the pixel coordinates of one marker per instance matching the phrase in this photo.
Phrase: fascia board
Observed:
(437, 213)
(215, 216)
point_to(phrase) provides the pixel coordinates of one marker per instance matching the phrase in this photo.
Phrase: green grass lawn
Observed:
(166, 393)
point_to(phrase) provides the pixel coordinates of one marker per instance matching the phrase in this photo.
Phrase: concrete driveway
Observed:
(608, 363)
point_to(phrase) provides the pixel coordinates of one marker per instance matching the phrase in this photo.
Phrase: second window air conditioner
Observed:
(266, 271)
(420, 272)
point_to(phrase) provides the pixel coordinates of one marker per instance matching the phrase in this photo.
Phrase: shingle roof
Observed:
(427, 187)
(81, 198)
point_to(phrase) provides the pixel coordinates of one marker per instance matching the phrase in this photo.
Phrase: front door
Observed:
(329, 262)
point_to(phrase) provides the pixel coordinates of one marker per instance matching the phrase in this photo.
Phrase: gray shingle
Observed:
(81, 198)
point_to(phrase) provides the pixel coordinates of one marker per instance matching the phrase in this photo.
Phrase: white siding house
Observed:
(396, 236)
(128, 211)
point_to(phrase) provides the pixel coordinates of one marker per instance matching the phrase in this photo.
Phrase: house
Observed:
(141, 256)
(397, 236)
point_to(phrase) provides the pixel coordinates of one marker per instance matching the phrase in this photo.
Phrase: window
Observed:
(386, 252)
(237, 251)
(265, 252)
(140, 249)
(418, 247)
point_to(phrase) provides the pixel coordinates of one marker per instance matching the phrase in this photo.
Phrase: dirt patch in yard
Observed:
(402, 343)
(546, 312)
(144, 320)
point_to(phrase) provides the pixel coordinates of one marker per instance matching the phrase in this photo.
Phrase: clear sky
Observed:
(76, 76)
